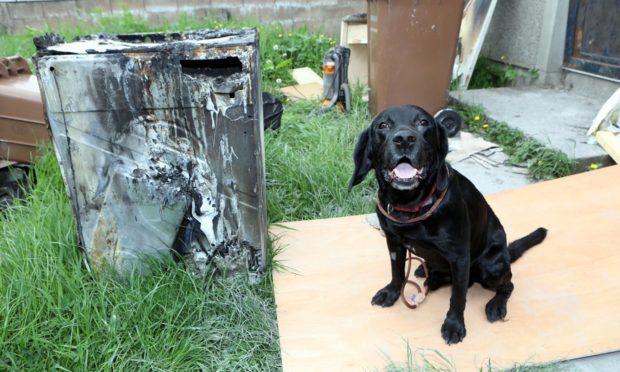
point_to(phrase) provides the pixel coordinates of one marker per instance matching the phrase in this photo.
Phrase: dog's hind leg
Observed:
(494, 274)
(436, 279)
(496, 308)
(438, 271)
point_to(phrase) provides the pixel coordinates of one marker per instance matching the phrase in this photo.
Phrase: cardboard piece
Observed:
(466, 145)
(565, 302)
(357, 34)
(305, 75)
(303, 91)
(354, 35)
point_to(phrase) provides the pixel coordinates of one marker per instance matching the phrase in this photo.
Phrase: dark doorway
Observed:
(593, 37)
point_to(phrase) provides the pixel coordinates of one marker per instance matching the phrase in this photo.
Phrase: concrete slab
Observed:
(557, 118)
(494, 178)
(594, 363)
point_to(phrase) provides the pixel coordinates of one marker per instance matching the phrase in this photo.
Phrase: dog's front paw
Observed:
(453, 330)
(386, 296)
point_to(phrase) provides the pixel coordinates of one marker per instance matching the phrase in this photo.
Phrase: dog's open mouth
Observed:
(405, 174)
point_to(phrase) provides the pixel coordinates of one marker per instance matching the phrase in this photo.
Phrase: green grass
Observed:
(55, 315)
(421, 360)
(490, 74)
(431, 360)
(309, 163)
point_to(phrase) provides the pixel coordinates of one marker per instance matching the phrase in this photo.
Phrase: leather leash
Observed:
(417, 298)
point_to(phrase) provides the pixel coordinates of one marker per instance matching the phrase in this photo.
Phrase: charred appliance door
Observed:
(160, 142)
(593, 38)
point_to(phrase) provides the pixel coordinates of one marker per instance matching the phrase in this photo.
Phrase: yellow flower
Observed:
(279, 35)
(485, 126)
(477, 118)
(540, 162)
(594, 166)
(290, 35)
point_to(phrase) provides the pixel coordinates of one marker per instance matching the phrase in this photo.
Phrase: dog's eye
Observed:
(423, 123)
(384, 126)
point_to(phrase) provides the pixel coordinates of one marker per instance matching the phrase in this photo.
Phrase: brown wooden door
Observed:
(593, 37)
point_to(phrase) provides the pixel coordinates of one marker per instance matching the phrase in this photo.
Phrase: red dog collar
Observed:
(413, 210)
(418, 207)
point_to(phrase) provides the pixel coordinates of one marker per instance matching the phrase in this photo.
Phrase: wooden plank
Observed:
(565, 302)
(610, 142)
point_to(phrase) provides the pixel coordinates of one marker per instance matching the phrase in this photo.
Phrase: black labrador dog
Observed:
(425, 205)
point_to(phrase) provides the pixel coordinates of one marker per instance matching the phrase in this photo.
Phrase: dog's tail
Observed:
(519, 246)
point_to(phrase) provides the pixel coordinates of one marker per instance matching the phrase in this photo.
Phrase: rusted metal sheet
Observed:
(160, 142)
(22, 122)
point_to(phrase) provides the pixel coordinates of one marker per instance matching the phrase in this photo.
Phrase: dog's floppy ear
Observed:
(445, 120)
(442, 135)
(449, 120)
(361, 158)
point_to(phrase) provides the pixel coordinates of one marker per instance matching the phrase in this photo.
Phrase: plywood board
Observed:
(565, 304)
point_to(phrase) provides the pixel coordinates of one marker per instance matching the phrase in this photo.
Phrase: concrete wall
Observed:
(529, 34)
(515, 31)
(532, 34)
(16, 15)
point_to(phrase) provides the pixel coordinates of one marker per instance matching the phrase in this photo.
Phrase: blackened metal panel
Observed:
(161, 145)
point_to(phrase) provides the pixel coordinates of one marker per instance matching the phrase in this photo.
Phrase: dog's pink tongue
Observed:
(404, 171)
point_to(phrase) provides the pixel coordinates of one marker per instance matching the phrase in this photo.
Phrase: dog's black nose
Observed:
(404, 138)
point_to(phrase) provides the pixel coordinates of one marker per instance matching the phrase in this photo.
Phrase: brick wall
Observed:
(325, 15)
